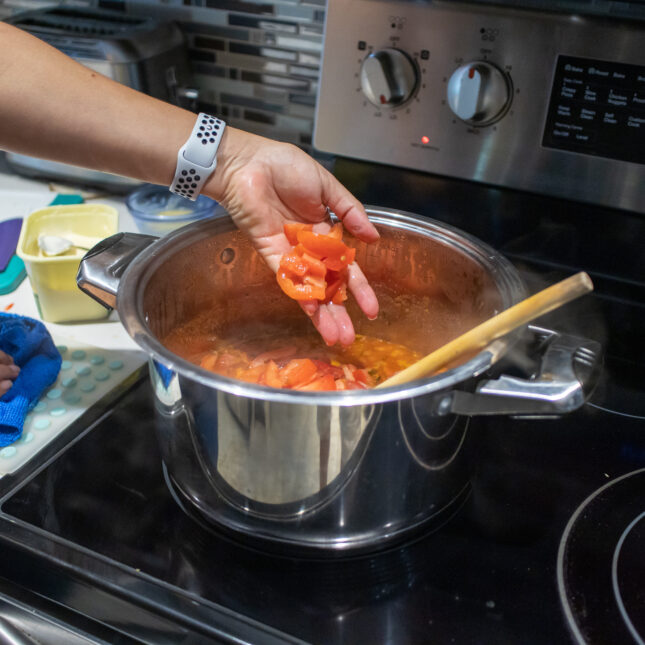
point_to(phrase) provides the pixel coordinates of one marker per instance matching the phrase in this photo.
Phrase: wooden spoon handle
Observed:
(523, 312)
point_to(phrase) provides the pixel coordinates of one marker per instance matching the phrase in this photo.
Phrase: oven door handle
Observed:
(568, 373)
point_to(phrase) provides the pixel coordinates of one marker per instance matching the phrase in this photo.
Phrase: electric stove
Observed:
(544, 549)
(472, 116)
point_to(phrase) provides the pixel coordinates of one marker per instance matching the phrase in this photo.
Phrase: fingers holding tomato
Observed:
(316, 267)
(317, 271)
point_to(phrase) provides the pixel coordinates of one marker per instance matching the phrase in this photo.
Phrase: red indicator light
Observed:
(425, 140)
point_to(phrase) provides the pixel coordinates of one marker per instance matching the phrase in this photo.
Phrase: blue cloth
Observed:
(33, 350)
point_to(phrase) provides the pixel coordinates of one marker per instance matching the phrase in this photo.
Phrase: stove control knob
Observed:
(479, 93)
(388, 77)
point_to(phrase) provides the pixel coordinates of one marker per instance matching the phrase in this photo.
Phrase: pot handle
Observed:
(568, 373)
(102, 267)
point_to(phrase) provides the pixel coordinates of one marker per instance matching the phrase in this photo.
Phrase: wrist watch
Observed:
(197, 158)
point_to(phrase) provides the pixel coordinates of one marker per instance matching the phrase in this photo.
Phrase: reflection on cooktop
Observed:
(618, 390)
(601, 564)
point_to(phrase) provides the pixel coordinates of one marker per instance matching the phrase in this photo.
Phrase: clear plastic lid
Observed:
(158, 204)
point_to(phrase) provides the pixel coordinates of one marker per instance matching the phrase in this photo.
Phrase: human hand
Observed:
(264, 183)
(8, 372)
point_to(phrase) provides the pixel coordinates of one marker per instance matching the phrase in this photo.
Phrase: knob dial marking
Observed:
(479, 93)
(389, 77)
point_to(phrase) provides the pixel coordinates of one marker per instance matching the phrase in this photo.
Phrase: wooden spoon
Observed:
(478, 337)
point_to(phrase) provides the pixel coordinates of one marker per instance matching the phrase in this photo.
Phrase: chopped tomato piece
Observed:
(324, 382)
(326, 368)
(272, 376)
(310, 290)
(209, 361)
(334, 281)
(298, 371)
(362, 377)
(252, 374)
(337, 263)
(316, 282)
(292, 263)
(336, 231)
(322, 245)
(301, 263)
(279, 354)
(341, 294)
(291, 231)
(316, 267)
(344, 384)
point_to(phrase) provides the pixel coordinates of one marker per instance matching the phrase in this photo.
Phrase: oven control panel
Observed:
(528, 100)
(597, 108)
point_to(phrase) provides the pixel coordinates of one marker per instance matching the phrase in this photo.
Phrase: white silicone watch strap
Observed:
(196, 159)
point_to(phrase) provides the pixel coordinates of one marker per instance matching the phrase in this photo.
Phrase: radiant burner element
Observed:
(601, 564)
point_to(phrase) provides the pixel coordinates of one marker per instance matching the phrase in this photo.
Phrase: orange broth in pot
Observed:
(300, 362)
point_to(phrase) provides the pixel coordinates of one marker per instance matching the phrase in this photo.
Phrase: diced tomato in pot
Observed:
(252, 374)
(279, 354)
(362, 377)
(326, 368)
(209, 361)
(298, 371)
(344, 384)
(272, 376)
(322, 383)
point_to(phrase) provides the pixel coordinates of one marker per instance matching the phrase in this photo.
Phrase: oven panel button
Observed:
(479, 93)
(389, 77)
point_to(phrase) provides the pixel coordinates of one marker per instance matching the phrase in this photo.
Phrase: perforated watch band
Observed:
(197, 158)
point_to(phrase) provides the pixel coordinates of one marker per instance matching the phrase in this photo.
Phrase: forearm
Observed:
(51, 107)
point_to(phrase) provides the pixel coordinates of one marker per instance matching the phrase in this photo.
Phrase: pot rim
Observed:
(134, 280)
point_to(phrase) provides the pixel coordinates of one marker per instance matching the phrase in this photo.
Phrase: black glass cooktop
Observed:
(102, 512)
(544, 549)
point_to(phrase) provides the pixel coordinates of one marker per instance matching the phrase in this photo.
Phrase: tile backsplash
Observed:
(254, 63)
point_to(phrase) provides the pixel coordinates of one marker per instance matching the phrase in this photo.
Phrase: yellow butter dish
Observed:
(53, 276)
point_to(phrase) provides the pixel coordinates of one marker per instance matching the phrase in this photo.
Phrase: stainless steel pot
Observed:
(328, 472)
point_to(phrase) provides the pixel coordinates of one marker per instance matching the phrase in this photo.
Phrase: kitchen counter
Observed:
(20, 196)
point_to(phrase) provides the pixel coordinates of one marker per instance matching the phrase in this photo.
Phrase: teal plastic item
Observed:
(66, 199)
(12, 276)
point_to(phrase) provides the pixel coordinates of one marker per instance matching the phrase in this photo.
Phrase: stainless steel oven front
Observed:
(551, 103)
